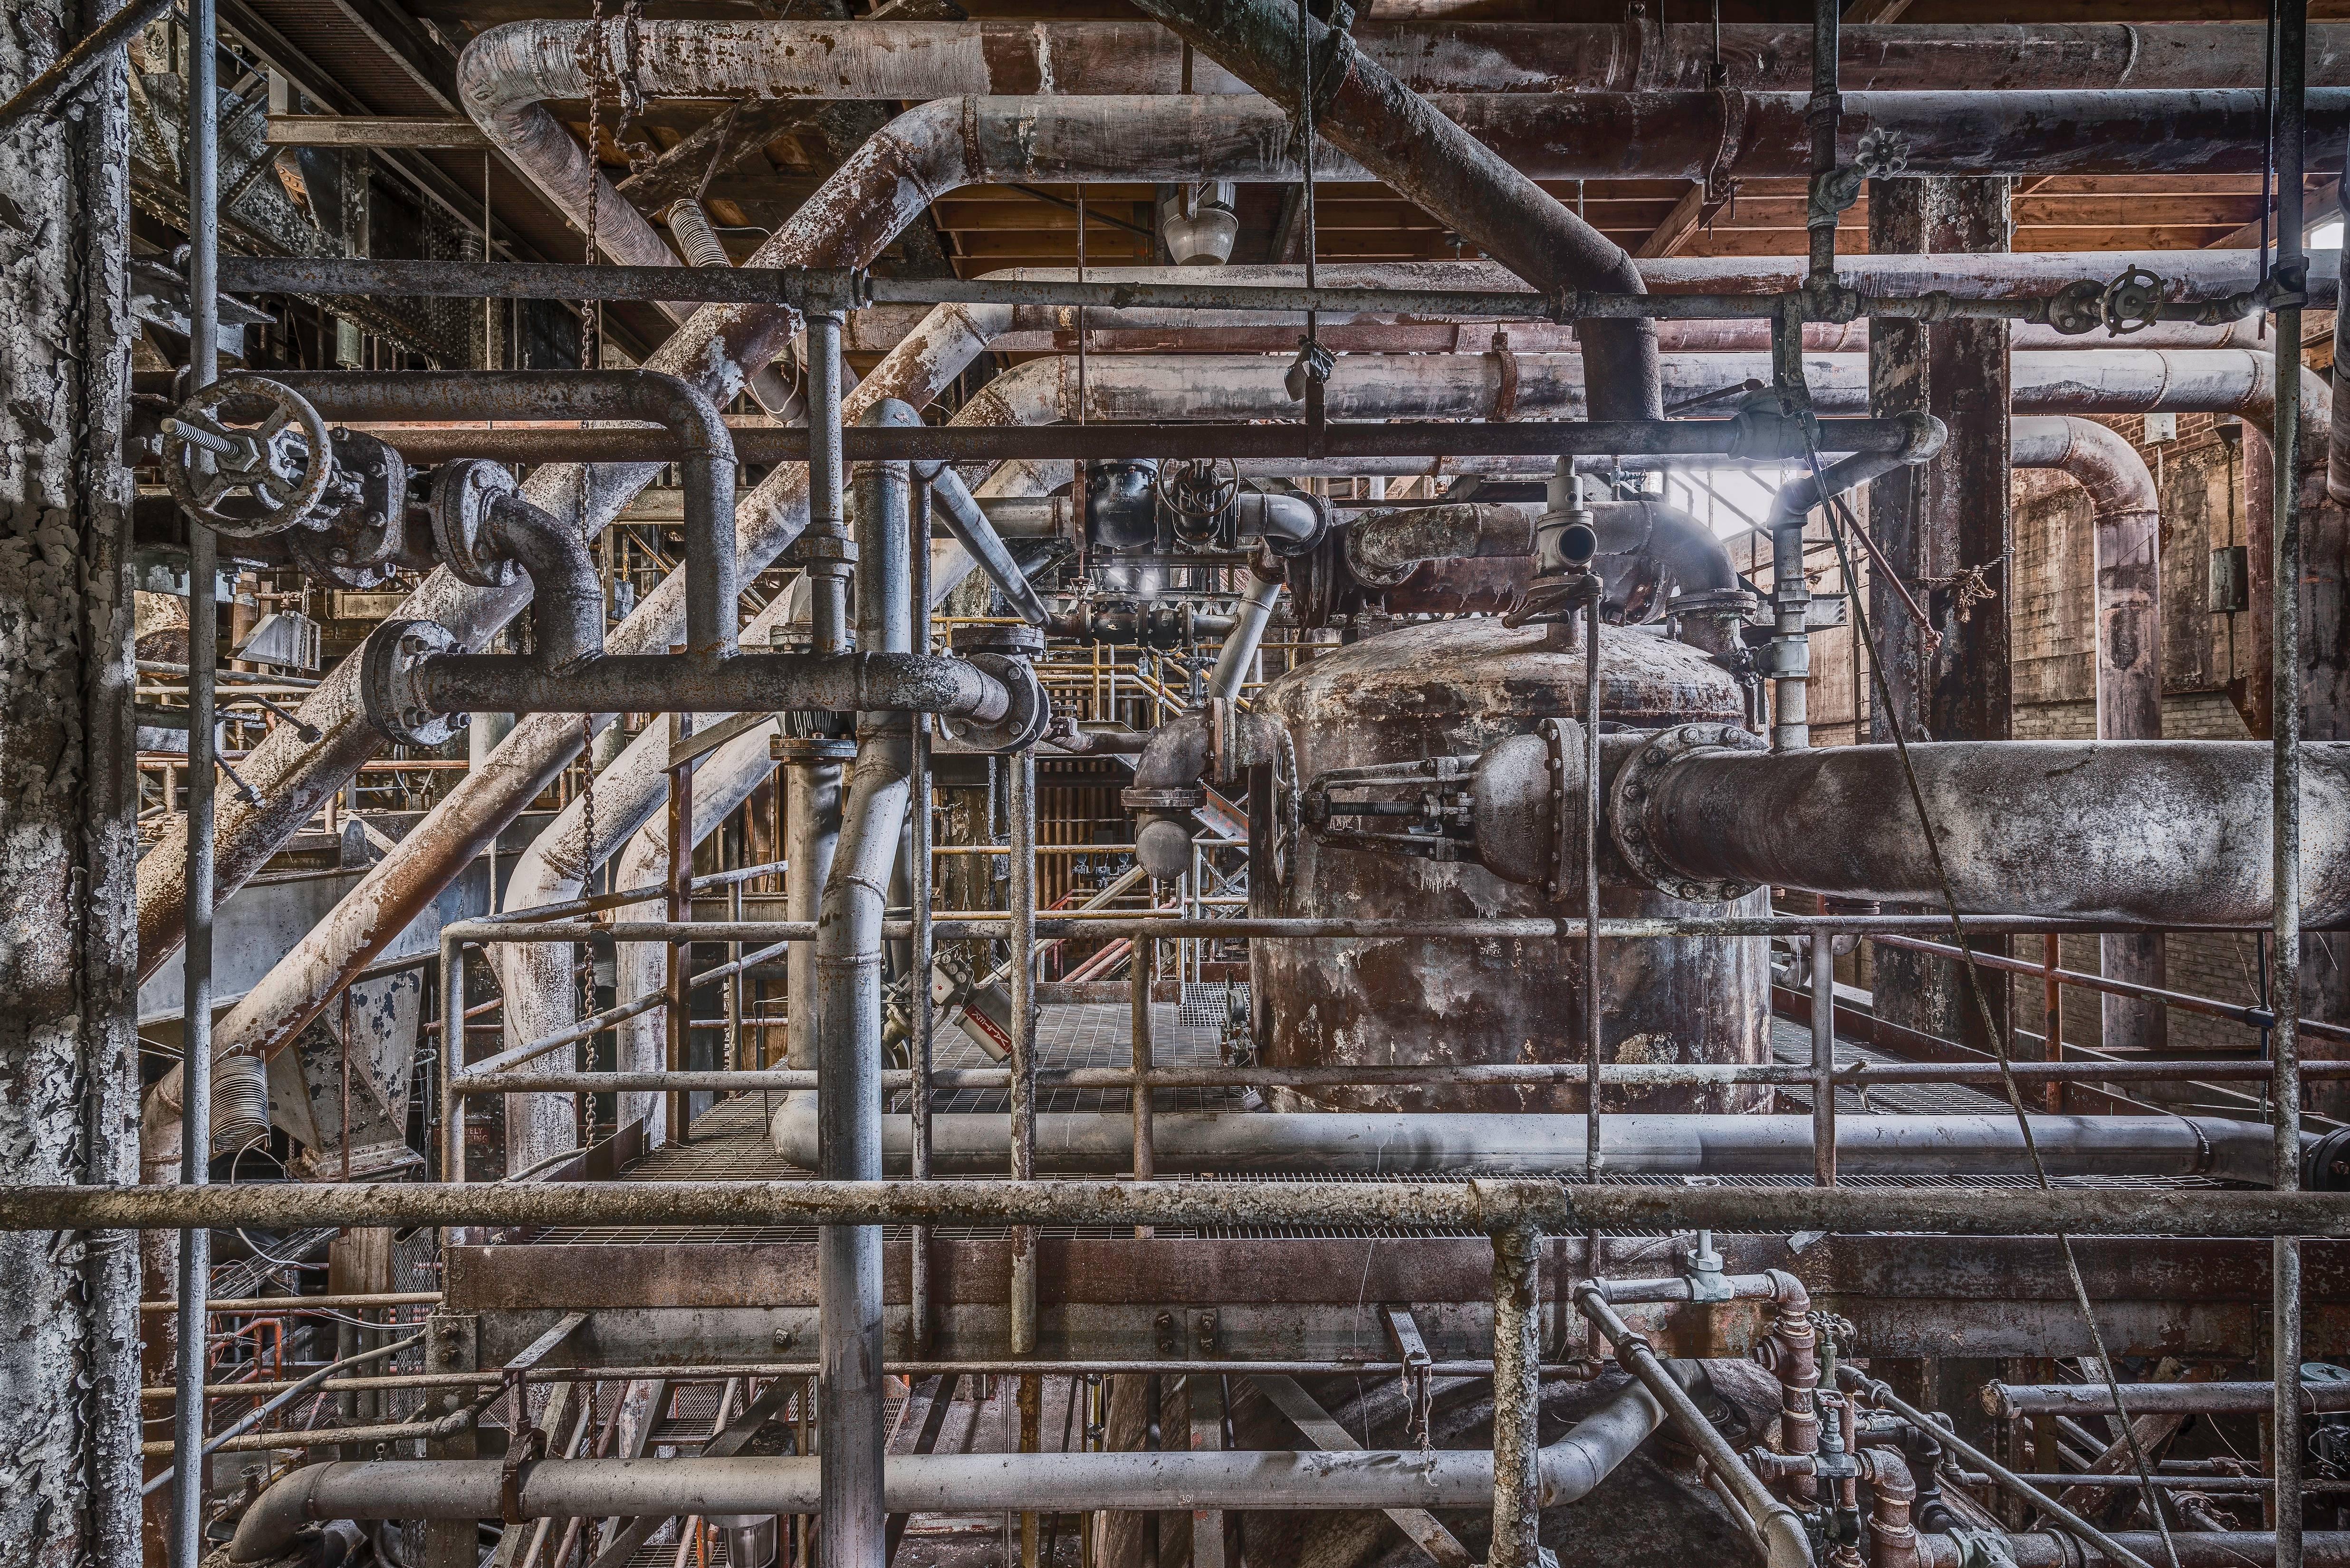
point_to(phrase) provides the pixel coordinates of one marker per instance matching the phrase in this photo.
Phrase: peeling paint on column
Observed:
(68, 1365)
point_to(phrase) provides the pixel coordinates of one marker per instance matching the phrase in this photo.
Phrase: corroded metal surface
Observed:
(1455, 688)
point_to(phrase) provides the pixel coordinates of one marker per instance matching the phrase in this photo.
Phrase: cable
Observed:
(1838, 519)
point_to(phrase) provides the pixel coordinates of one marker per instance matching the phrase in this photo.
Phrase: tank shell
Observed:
(1455, 687)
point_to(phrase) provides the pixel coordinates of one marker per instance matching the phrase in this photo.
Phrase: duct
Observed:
(877, 190)
(953, 1483)
(2126, 514)
(2153, 831)
(1384, 547)
(1330, 1142)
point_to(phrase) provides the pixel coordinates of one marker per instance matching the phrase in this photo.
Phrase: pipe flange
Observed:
(1024, 723)
(394, 654)
(1012, 640)
(812, 749)
(1635, 784)
(462, 495)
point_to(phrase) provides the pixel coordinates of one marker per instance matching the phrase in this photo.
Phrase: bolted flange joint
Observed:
(390, 685)
(463, 495)
(1005, 652)
(1633, 788)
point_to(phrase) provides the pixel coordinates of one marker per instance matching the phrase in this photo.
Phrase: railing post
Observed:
(1517, 1404)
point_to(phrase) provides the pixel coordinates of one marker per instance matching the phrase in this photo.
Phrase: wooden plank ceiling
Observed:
(775, 154)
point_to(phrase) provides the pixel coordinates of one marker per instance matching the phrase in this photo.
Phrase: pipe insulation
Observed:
(1328, 1142)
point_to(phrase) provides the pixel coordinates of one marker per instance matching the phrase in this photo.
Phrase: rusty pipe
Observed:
(2160, 831)
(1383, 549)
(747, 684)
(2126, 518)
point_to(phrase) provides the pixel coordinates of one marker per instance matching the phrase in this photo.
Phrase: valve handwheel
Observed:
(247, 456)
(1203, 489)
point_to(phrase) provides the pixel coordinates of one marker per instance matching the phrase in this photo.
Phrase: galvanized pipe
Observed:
(1020, 934)
(1102, 1142)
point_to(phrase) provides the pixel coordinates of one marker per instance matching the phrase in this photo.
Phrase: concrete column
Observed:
(68, 1304)
(1941, 525)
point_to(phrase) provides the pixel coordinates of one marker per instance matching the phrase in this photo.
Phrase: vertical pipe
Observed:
(812, 825)
(1824, 1111)
(1825, 108)
(918, 990)
(186, 1538)
(680, 906)
(850, 1045)
(1593, 1001)
(2052, 1013)
(1790, 646)
(1517, 1443)
(1021, 899)
(2292, 43)
(1145, 960)
(828, 603)
(453, 1060)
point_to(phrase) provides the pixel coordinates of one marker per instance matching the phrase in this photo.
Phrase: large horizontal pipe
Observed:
(2195, 1549)
(2008, 1400)
(747, 684)
(1327, 1142)
(2134, 830)
(1486, 1204)
(950, 1483)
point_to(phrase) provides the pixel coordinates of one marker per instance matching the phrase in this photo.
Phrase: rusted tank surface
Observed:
(1456, 687)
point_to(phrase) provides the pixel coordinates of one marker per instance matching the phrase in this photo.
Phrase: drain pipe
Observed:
(2126, 514)
(1401, 138)
(1238, 652)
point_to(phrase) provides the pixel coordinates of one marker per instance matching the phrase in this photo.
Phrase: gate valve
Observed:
(247, 457)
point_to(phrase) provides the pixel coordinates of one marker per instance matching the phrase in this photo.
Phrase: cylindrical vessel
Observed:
(1454, 688)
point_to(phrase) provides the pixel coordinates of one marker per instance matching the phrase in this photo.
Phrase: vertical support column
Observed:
(1517, 1404)
(451, 1344)
(1823, 1106)
(1945, 519)
(2284, 807)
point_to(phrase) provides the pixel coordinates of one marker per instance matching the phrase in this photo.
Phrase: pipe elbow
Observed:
(1785, 1542)
(1788, 1292)
(1571, 1467)
(277, 1516)
(678, 404)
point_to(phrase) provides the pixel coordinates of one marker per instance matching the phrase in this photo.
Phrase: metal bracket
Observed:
(1417, 1385)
